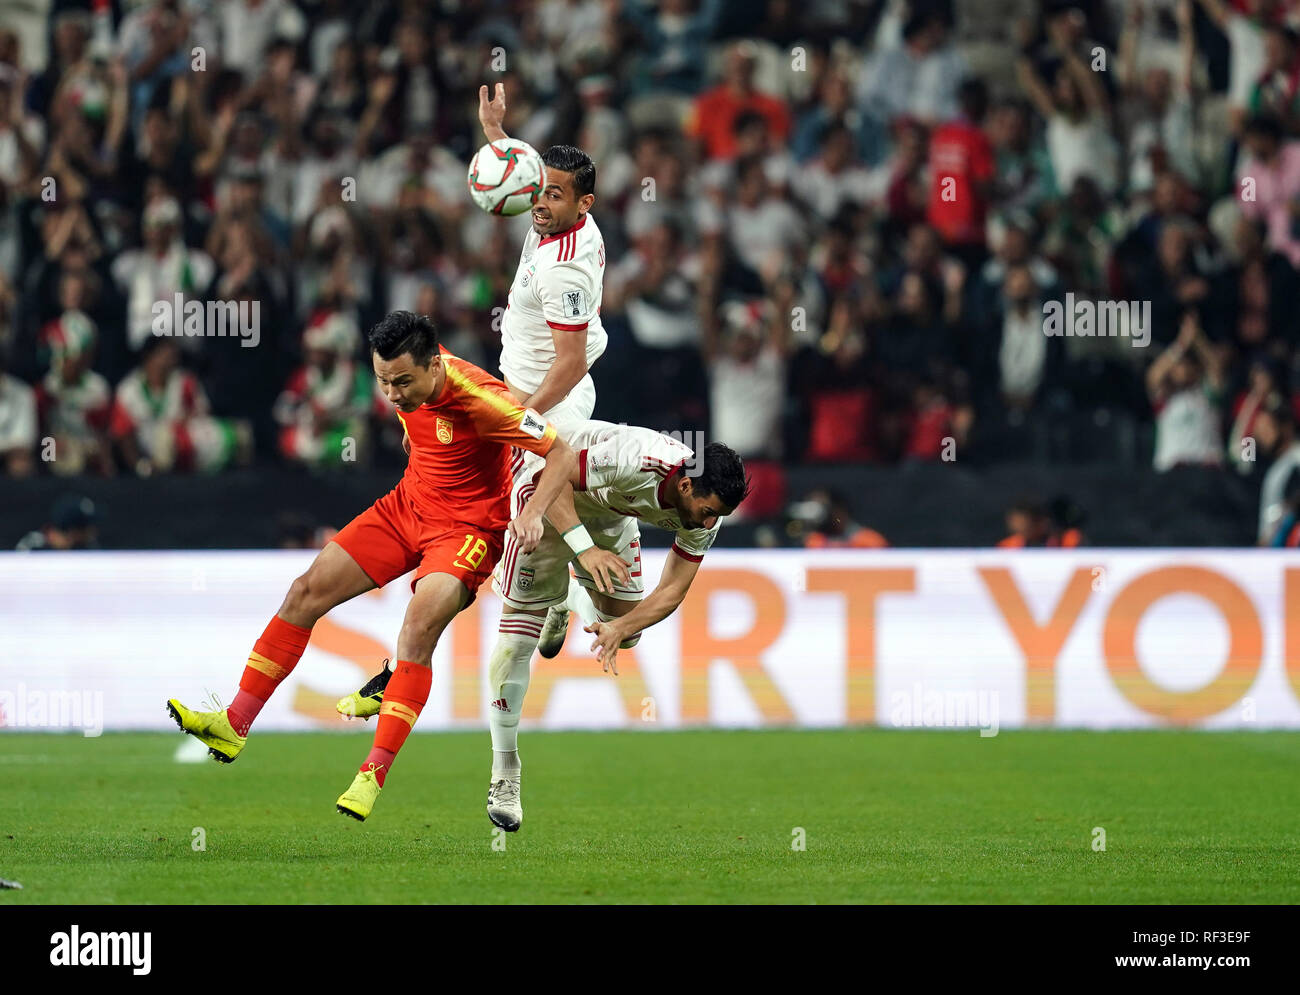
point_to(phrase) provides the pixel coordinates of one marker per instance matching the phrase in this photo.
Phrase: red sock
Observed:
(407, 691)
(273, 658)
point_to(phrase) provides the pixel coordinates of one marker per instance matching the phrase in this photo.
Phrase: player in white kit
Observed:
(625, 476)
(551, 333)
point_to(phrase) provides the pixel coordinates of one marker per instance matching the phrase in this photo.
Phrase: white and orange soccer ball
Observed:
(506, 177)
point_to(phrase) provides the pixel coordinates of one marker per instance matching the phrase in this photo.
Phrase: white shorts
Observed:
(535, 581)
(576, 408)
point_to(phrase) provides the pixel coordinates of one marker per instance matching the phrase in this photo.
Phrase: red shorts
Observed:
(390, 538)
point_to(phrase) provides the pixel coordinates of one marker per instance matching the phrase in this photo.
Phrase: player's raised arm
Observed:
(492, 113)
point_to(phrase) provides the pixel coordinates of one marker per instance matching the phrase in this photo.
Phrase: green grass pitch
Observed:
(696, 816)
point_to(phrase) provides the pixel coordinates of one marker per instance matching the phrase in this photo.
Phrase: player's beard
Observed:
(551, 226)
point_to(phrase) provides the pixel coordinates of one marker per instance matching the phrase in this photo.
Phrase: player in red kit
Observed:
(446, 520)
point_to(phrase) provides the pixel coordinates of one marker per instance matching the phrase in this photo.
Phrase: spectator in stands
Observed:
(1081, 238)
(747, 374)
(939, 422)
(763, 229)
(1175, 282)
(1027, 358)
(1244, 26)
(1268, 183)
(154, 42)
(71, 37)
(17, 425)
(22, 134)
(73, 400)
(1255, 291)
(926, 312)
(1076, 109)
(162, 423)
(918, 78)
(1277, 91)
(1185, 384)
(835, 390)
(163, 267)
(656, 158)
(905, 178)
(323, 411)
(73, 524)
(1275, 431)
(834, 108)
(961, 176)
(249, 29)
(824, 518)
(671, 43)
(835, 179)
(1022, 178)
(1263, 391)
(1013, 243)
(715, 112)
(165, 151)
(249, 160)
(1156, 110)
(656, 285)
(1030, 523)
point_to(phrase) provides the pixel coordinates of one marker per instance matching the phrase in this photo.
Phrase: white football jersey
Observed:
(622, 472)
(557, 286)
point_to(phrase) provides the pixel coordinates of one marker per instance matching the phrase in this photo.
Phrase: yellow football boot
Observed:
(359, 800)
(365, 703)
(213, 729)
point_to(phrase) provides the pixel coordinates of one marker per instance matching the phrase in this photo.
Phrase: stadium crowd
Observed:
(832, 227)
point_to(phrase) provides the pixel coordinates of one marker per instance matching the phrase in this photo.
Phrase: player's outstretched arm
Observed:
(561, 467)
(668, 594)
(492, 113)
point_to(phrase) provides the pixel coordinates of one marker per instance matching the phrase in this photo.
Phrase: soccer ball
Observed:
(506, 177)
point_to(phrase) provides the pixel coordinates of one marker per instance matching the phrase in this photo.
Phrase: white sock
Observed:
(508, 673)
(579, 600)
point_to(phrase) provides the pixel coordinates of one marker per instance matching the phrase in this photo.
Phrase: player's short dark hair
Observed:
(573, 160)
(401, 332)
(723, 475)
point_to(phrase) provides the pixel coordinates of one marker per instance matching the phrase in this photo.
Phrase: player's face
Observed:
(404, 382)
(698, 511)
(559, 207)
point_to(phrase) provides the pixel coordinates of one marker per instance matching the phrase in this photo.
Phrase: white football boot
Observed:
(554, 631)
(503, 806)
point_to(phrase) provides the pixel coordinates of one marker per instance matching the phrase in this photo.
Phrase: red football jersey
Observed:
(460, 447)
(961, 153)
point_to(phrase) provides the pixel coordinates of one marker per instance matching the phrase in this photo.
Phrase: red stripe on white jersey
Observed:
(689, 557)
(519, 629)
